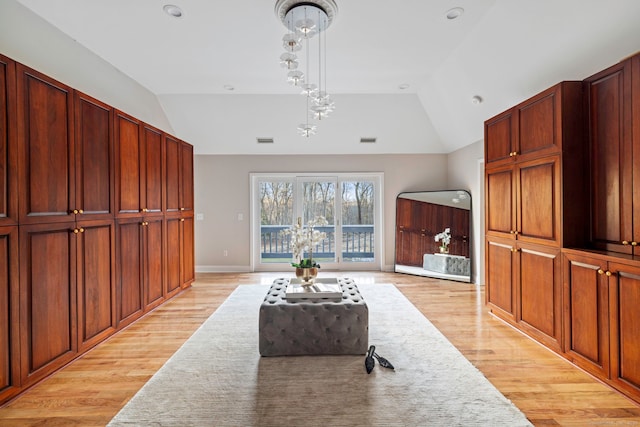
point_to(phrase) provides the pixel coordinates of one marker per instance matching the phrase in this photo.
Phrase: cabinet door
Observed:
(153, 148)
(539, 292)
(96, 282)
(500, 197)
(609, 112)
(129, 296)
(188, 258)
(500, 139)
(586, 313)
(8, 153)
(47, 298)
(172, 177)
(9, 313)
(500, 275)
(129, 166)
(45, 147)
(404, 213)
(173, 258)
(94, 158)
(625, 326)
(538, 201)
(186, 177)
(153, 262)
(539, 123)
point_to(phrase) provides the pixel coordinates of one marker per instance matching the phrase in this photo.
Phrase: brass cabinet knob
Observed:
(624, 242)
(81, 230)
(182, 220)
(181, 209)
(600, 271)
(515, 250)
(608, 273)
(76, 231)
(80, 211)
(75, 211)
(634, 243)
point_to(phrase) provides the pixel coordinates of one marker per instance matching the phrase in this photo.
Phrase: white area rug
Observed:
(217, 378)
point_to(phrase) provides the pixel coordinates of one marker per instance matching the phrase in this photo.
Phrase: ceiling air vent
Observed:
(368, 140)
(264, 140)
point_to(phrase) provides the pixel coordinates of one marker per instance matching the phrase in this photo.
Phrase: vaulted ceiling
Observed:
(501, 50)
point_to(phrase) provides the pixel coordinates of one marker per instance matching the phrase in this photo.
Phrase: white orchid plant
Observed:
(305, 238)
(444, 238)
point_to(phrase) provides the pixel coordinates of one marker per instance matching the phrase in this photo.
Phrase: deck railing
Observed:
(357, 242)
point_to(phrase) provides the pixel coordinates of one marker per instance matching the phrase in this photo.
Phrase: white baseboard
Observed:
(223, 269)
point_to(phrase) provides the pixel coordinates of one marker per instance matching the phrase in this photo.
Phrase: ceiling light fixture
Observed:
(304, 20)
(454, 13)
(476, 100)
(172, 10)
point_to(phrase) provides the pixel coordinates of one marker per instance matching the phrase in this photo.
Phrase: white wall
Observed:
(32, 41)
(466, 172)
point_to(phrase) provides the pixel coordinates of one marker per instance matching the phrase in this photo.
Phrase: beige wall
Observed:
(222, 191)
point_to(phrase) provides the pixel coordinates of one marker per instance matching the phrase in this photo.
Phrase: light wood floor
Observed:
(550, 391)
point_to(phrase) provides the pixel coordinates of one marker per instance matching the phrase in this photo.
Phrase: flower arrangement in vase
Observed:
(444, 238)
(304, 239)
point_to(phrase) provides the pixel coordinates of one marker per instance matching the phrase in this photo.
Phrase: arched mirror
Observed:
(432, 234)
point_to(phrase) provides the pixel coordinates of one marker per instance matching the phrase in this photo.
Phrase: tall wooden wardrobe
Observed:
(562, 186)
(92, 203)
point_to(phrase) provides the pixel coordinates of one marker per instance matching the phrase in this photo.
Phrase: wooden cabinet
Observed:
(180, 266)
(48, 298)
(96, 281)
(526, 287)
(85, 191)
(154, 144)
(8, 151)
(586, 312)
(612, 96)
(141, 276)
(540, 126)
(539, 293)
(45, 148)
(601, 317)
(188, 257)
(186, 177)
(625, 326)
(9, 313)
(130, 165)
(500, 274)
(535, 158)
(525, 191)
(94, 183)
(523, 201)
(154, 262)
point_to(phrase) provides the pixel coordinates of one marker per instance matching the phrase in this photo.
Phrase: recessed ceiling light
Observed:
(404, 86)
(476, 100)
(229, 87)
(172, 10)
(454, 13)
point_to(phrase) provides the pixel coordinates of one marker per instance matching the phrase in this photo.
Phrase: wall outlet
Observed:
(225, 252)
(199, 217)
(240, 217)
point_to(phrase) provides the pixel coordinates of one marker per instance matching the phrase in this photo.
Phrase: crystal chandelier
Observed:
(305, 20)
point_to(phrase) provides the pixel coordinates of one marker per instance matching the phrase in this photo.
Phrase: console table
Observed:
(313, 326)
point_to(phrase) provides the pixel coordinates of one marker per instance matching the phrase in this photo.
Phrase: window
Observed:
(349, 203)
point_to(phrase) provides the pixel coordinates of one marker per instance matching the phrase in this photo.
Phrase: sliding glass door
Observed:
(349, 204)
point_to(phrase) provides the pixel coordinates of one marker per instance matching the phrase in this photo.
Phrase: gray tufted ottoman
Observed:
(308, 326)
